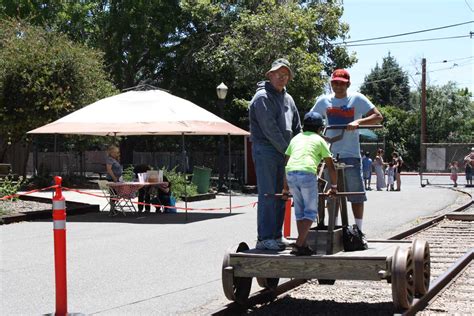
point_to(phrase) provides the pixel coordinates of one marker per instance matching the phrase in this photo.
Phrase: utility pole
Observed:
(423, 116)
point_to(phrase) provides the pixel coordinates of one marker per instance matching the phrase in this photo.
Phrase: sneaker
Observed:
(282, 242)
(301, 251)
(268, 244)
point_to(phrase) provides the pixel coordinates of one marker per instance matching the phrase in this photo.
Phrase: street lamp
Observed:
(221, 94)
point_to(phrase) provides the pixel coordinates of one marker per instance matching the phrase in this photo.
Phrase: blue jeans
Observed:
(304, 188)
(353, 179)
(269, 168)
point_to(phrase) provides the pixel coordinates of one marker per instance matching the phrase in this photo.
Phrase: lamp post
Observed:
(221, 94)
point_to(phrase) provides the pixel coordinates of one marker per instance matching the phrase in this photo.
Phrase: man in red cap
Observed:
(352, 109)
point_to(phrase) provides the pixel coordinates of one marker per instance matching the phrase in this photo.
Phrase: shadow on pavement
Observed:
(146, 218)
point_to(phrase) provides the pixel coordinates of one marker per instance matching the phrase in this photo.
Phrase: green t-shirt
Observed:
(306, 150)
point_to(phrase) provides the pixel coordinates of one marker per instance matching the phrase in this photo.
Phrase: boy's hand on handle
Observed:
(332, 191)
(285, 194)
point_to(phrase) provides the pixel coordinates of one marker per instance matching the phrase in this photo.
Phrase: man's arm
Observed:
(372, 117)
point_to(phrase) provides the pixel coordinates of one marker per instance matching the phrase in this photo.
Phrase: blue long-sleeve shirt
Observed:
(274, 118)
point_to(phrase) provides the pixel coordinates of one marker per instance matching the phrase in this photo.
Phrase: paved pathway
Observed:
(159, 264)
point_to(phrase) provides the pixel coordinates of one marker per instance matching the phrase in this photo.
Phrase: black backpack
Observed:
(352, 238)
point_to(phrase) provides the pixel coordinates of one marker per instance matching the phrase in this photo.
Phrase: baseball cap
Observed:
(277, 64)
(314, 119)
(341, 75)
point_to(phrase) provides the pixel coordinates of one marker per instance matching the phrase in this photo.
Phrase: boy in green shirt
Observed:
(305, 152)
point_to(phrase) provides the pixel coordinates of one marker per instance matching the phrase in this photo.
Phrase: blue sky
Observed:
(375, 18)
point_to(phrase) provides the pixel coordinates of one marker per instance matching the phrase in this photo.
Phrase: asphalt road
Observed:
(160, 264)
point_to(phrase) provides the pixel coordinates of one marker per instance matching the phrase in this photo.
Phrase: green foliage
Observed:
(236, 42)
(128, 175)
(44, 76)
(10, 185)
(402, 134)
(387, 85)
(77, 19)
(179, 185)
(450, 113)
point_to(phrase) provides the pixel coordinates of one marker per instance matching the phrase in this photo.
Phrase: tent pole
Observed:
(183, 162)
(35, 155)
(230, 180)
(58, 159)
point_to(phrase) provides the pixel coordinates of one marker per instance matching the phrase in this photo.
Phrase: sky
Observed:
(376, 18)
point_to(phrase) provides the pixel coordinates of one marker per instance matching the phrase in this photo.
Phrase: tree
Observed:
(402, 133)
(76, 19)
(43, 76)
(387, 85)
(450, 119)
(236, 42)
(450, 113)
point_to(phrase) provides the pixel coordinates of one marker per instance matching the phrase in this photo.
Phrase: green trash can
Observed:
(201, 178)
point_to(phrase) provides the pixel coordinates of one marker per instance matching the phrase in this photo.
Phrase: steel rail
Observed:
(429, 223)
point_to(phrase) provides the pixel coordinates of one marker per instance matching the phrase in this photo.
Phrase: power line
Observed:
(410, 41)
(467, 3)
(390, 74)
(403, 34)
(452, 67)
(448, 60)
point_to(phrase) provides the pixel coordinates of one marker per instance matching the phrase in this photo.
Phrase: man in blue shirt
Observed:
(353, 109)
(274, 120)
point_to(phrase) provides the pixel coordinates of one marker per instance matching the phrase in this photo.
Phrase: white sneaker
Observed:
(282, 242)
(268, 244)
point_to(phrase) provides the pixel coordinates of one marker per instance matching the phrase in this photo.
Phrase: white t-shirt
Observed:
(343, 111)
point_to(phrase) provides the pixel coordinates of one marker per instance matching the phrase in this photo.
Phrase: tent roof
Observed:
(153, 112)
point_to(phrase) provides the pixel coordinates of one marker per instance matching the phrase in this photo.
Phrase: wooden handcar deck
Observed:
(367, 264)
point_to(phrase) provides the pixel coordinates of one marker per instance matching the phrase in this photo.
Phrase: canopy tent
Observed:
(152, 112)
(368, 134)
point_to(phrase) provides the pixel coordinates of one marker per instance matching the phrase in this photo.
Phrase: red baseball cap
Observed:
(341, 75)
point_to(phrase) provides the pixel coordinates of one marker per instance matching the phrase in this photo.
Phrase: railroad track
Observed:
(451, 242)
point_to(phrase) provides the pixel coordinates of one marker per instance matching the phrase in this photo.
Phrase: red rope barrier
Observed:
(159, 205)
(8, 197)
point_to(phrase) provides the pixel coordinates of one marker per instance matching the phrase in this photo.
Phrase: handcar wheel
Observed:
(268, 283)
(403, 286)
(235, 288)
(421, 259)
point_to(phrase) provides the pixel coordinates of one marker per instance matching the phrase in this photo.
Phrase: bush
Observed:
(178, 183)
(9, 186)
(128, 175)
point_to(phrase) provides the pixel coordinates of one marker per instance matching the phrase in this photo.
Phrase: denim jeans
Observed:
(352, 179)
(269, 168)
(304, 188)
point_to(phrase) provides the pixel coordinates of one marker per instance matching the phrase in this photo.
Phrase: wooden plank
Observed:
(460, 217)
(377, 249)
(311, 267)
